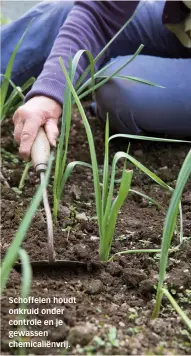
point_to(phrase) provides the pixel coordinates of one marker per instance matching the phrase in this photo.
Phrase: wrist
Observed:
(47, 88)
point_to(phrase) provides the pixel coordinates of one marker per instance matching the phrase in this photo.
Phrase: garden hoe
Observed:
(40, 155)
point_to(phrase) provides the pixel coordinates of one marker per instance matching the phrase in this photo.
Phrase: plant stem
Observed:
(158, 302)
(169, 227)
(55, 208)
(24, 175)
(103, 251)
(154, 250)
(13, 250)
(175, 305)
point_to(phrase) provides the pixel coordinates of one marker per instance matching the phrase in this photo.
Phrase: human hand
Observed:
(28, 118)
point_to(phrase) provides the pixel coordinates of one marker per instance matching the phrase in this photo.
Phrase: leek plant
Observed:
(84, 88)
(169, 228)
(26, 275)
(157, 139)
(25, 287)
(14, 249)
(62, 150)
(107, 208)
(28, 165)
(15, 98)
(79, 87)
(8, 105)
(175, 305)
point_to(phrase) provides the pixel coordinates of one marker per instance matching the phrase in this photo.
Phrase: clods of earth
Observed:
(114, 301)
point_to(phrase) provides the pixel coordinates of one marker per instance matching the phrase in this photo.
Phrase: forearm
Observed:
(90, 25)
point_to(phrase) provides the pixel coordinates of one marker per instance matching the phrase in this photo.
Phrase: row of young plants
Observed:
(9, 103)
(107, 208)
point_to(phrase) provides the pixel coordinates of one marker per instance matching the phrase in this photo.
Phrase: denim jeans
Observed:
(132, 107)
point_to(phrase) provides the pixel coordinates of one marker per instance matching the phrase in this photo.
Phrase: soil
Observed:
(118, 294)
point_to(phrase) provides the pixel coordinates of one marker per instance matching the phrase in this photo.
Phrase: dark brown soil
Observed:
(118, 294)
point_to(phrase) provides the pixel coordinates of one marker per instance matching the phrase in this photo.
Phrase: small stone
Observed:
(64, 211)
(94, 287)
(118, 297)
(81, 217)
(163, 168)
(138, 153)
(79, 235)
(114, 268)
(132, 277)
(179, 280)
(94, 238)
(106, 278)
(81, 334)
(159, 326)
(147, 286)
(139, 321)
(113, 307)
(86, 226)
(74, 132)
(134, 223)
(124, 307)
(75, 191)
(144, 203)
(121, 324)
(154, 337)
(82, 251)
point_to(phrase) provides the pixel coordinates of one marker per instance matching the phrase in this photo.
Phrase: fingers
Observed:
(51, 130)
(18, 130)
(36, 112)
(18, 120)
(28, 135)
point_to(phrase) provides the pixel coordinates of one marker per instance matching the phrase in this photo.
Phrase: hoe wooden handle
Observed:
(40, 151)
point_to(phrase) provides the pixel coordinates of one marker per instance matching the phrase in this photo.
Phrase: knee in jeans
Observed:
(112, 100)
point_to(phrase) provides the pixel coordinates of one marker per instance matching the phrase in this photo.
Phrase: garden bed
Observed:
(119, 294)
